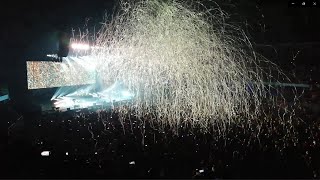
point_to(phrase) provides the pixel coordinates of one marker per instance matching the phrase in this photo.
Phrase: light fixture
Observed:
(79, 46)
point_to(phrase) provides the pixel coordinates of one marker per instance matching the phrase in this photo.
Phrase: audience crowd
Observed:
(94, 143)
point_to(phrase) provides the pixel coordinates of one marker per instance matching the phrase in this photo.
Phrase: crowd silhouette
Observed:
(89, 143)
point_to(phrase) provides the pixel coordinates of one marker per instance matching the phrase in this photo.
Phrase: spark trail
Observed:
(185, 66)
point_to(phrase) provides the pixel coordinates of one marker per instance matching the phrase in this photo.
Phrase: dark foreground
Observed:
(82, 146)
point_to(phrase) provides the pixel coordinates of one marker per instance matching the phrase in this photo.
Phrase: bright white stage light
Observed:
(80, 46)
(70, 102)
(45, 153)
(126, 94)
(52, 55)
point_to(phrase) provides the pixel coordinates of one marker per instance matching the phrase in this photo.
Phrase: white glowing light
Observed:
(79, 46)
(45, 153)
(52, 55)
(126, 94)
(132, 163)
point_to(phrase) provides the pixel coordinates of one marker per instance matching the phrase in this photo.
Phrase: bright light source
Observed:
(45, 153)
(67, 153)
(126, 94)
(201, 171)
(80, 46)
(52, 55)
(132, 163)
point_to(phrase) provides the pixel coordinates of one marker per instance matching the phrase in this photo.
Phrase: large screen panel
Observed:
(47, 74)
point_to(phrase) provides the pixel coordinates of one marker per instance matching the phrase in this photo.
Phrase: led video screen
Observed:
(47, 74)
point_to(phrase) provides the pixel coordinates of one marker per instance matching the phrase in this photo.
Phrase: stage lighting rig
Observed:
(80, 46)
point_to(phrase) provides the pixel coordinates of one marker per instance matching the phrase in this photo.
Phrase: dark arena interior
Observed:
(161, 89)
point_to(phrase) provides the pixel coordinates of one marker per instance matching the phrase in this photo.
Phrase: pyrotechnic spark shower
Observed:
(184, 65)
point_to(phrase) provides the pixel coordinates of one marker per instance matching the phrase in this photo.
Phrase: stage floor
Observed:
(80, 102)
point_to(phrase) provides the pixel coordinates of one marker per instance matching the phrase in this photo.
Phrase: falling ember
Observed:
(183, 66)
